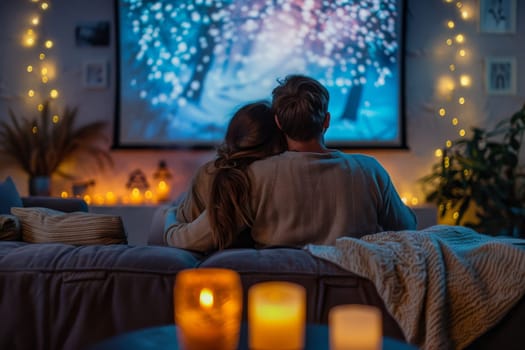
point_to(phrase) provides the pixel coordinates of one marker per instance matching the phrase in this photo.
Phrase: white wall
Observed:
(428, 59)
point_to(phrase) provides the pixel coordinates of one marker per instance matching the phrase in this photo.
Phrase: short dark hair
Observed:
(300, 104)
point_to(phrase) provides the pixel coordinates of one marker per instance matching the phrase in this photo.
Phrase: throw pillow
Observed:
(9, 196)
(9, 228)
(43, 225)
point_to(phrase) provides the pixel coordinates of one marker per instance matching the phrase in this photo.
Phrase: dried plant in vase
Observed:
(41, 145)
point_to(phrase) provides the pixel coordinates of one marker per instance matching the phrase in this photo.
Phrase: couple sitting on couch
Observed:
(275, 183)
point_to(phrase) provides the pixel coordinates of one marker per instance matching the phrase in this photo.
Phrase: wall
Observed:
(427, 63)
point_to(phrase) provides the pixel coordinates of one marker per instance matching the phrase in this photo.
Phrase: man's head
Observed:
(300, 105)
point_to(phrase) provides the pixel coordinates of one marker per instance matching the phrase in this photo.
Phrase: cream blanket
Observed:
(445, 285)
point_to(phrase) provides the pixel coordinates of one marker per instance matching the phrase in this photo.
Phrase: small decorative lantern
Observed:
(355, 327)
(208, 306)
(276, 316)
(163, 178)
(137, 185)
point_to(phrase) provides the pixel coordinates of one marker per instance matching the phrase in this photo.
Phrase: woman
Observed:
(222, 186)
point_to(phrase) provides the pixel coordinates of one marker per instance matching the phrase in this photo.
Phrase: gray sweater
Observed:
(300, 198)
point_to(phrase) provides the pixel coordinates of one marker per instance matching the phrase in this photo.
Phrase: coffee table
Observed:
(165, 337)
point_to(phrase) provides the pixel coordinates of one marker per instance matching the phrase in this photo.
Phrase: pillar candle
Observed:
(276, 316)
(355, 327)
(207, 307)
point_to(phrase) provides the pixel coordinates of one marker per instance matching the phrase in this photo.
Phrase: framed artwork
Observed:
(497, 16)
(95, 74)
(500, 75)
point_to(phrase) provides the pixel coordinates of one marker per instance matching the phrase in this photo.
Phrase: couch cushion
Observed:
(60, 296)
(43, 225)
(9, 196)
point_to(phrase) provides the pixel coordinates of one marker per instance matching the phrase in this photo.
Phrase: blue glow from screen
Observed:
(185, 66)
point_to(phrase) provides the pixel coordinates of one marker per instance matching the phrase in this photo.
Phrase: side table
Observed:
(165, 337)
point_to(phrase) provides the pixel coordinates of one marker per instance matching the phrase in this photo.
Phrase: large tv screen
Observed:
(185, 66)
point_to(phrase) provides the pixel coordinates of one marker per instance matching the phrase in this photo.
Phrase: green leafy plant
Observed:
(482, 175)
(40, 145)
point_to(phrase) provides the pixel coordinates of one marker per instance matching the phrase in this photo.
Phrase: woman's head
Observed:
(252, 134)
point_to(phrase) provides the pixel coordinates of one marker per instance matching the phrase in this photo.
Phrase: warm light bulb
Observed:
(455, 215)
(445, 85)
(49, 44)
(438, 153)
(462, 132)
(414, 201)
(63, 194)
(44, 6)
(56, 118)
(448, 143)
(451, 24)
(459, 4)
(462, 53)
(31, 93)
(35, 20)
(442, 112)
(455, 121)
(44, 71)
(40, 107)
(29, 69)
(465, 80)
(452, 67)
(206, 298)
(53, 93)
(42, 56)
(148, 194)
(465, 14)
(29, 38)
(461, 100)
(45, 79)
(34, 130)
(460, 38)
(449, 42)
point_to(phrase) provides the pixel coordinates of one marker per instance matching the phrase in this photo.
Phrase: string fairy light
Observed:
(456, 42)
(32, 38)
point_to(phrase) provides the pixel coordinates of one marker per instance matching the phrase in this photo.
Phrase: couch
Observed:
(61, 296)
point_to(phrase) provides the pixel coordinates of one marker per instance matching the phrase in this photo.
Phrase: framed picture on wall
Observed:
(500, 75)
(497, 16)
(95, 74)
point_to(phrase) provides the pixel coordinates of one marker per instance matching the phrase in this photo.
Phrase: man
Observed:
(312, 194)
(308, 194)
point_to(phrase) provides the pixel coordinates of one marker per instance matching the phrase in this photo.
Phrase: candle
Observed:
(276, 316)
(208, 306)
(136, 196)
(355, 327)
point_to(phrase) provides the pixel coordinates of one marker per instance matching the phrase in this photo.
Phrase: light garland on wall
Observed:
(42, 68)
(455, 83)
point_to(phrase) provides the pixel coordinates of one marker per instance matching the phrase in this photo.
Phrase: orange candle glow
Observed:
(355, 327)
(136, 196)
(208, 306)
(276, 316)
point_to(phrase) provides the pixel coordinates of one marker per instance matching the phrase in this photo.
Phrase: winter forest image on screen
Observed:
(185, 66)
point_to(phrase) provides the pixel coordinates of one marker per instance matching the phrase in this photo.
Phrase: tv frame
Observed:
(400, 144)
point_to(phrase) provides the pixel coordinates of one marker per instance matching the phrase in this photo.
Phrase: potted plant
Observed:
(481, 175)
(41, 145)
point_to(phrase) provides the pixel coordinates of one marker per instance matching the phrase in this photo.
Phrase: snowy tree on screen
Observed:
(344, 44)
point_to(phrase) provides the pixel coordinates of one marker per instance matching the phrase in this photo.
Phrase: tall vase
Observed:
(40, 186)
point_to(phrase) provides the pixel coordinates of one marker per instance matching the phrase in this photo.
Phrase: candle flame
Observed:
(206, 298)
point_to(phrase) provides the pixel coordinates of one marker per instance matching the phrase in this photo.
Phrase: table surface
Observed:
(165, 337)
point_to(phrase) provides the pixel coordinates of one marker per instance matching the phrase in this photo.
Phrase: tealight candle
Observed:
(276, 316)
(208, 306)
(355, 327)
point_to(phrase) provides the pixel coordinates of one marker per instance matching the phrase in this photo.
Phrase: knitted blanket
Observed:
(444, 285)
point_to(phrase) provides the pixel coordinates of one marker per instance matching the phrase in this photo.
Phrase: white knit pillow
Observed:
(43, 225)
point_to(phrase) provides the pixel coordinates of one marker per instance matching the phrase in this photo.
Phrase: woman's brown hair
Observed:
(252, 134)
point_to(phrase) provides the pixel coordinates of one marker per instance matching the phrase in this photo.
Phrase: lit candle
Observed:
(163, 191)
(208, 306)
(276, 316)
(135, 196)
(355, 327)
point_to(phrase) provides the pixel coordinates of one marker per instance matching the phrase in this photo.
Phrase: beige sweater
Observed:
(300, 198)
